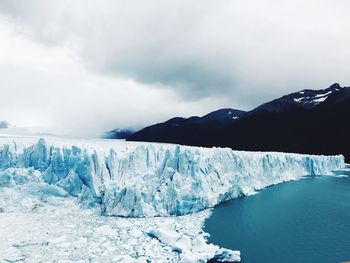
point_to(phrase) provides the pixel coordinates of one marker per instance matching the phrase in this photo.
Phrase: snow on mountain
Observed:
(147, 180)
(315, 97)
(306, 99)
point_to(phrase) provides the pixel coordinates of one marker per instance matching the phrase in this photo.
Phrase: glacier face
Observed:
(147, 180)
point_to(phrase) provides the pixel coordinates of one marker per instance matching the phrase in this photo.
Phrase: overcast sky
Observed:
(86, 66)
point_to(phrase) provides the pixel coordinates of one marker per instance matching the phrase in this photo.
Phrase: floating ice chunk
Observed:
(191, 248)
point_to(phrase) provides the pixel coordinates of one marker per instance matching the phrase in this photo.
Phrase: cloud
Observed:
(49, 86)
(199, 47)
(153, 42)
(243, 51)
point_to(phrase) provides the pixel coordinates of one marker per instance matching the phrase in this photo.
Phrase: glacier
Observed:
(148, 179)
(144, 200)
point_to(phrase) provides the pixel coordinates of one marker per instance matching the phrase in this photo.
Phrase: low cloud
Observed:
(237, 53)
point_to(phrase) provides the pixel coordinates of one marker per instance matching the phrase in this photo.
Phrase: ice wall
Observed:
(159, 180)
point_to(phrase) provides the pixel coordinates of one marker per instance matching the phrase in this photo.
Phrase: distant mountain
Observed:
(220, 117)
(223, 116)
(4, 125)
(118, 134)
(193, 131)
(308, 121)
(305, 99)
(304, 122)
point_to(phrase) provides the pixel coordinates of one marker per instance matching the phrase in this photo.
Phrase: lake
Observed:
(299, 221)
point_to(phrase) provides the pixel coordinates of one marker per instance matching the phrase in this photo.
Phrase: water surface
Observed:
(301, 221)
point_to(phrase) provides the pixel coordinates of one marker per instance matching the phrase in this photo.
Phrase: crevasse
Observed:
(149, 180)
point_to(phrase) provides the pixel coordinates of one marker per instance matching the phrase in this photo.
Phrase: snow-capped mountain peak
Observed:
(306, 99)
(315, 97)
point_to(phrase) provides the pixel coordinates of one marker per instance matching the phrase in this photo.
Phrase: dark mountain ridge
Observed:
(308, 121)
(191, 131)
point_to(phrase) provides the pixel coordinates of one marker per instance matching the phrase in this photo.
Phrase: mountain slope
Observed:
(308, 121)
(320, 128)
(118, 134)
(192, 131)
(305, 99)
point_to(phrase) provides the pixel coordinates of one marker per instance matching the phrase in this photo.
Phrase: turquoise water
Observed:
(300, 221)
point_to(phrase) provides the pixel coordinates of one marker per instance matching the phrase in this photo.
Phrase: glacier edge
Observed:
(148, 180)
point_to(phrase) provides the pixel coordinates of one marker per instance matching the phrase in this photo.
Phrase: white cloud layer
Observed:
(91, 65)
(49, 87)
